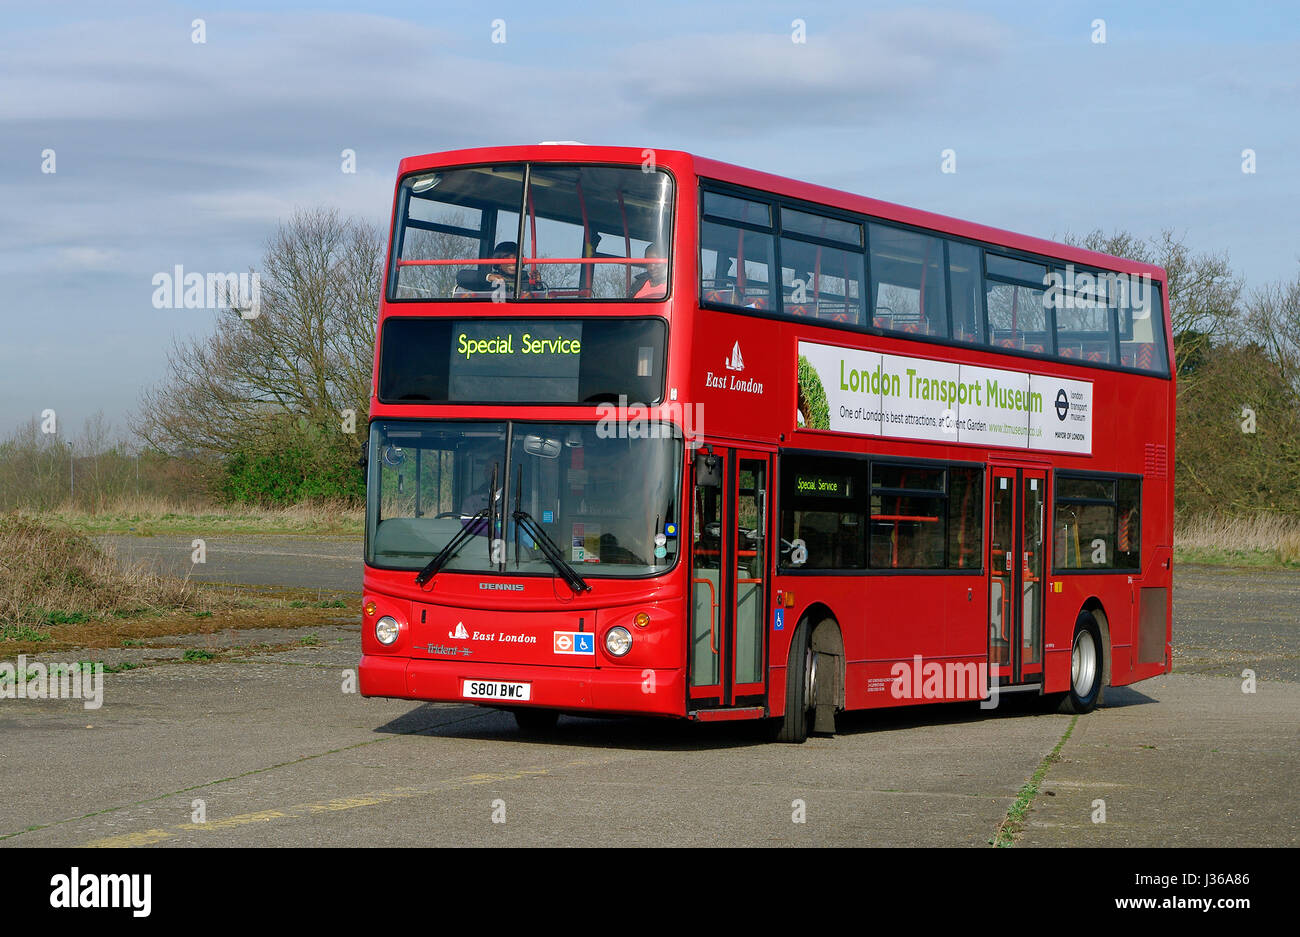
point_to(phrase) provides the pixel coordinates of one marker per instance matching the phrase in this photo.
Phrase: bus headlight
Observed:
(386, 630)
(618, 641)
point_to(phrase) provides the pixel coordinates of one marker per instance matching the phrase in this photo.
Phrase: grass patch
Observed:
(197, 654)
(147, 517)
(235, 609)
(309, 640)
(60, 618)
(1264, 541)
(75, 580)
(22, 633)
(1011, 826)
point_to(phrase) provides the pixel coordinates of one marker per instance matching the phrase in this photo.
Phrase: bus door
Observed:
(729, 577)
(1016, 551)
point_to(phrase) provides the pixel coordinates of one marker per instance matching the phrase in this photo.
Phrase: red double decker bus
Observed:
(653, 434)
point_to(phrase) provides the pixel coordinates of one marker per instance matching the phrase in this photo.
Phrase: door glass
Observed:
(750, 556)
(1032, 588)
(706, 577)
(1001, 568)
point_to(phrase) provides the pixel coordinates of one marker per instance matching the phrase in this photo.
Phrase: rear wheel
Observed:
(1085, 667)
(536, 721)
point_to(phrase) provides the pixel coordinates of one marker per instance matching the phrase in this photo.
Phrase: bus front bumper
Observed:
(611, 690)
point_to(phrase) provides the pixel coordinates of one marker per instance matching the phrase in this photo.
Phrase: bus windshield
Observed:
(608, 501)
(533, 232)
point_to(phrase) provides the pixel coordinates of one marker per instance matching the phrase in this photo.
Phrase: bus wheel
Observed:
(1085, 667)
(536, 721)
(800, 674)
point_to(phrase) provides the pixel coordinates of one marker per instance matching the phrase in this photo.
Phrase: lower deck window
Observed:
(837, 515)
(1097, 523)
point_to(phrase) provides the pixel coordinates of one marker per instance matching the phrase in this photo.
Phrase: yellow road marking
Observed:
(298, 811)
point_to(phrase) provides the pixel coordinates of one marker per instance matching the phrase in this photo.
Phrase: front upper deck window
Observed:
(533, 232)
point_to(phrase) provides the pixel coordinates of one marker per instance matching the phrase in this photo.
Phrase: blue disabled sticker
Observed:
(778, 620)
(584, 643)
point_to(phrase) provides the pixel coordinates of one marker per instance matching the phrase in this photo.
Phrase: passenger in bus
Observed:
(653, 283)
(475, 280)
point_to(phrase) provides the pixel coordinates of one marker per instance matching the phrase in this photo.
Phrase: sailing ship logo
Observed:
(735, 362)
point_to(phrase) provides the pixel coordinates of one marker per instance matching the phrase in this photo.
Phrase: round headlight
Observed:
(386, 630)
(618, 641)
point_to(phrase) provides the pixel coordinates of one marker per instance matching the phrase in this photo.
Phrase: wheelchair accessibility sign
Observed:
(575, 642)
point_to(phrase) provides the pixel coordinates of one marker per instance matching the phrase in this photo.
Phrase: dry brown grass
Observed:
(151, 515)
(1217, 538)
(52, 575)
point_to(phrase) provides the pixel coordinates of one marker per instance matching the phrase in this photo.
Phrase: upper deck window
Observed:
(765, 255)
(821, 267)
(737, 255)
(587, 233)
(907, 282)
(1015, 298)
(1142, 327)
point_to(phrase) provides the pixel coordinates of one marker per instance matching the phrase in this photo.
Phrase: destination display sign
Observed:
(544, 360)
(508, 361)
(875, 394)
(821, 486)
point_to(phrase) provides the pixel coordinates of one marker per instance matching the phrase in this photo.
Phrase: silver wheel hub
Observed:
(1083, 663)
(810, 672)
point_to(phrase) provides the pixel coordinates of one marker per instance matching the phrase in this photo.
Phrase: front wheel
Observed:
(1085, 667)
(800, 672)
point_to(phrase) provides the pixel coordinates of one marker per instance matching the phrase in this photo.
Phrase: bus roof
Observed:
(780, 185)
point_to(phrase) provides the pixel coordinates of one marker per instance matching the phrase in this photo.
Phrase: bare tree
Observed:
(306, 354)
(1204, 293)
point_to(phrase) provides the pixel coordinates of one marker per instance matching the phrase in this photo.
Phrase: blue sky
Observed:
(170, 152)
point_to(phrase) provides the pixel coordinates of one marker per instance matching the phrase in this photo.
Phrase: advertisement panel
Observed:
(873, 394)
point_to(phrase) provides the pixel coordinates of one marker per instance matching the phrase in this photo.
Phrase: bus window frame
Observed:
(397, 236)
(1133, 571)
(871, 459)
(679, 440)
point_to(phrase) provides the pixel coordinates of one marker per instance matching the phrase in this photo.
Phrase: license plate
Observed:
(495, 689)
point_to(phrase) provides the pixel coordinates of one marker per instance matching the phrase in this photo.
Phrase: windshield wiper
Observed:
(525, 521)
(450, 549)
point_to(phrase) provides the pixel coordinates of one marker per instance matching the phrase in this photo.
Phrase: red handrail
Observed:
(534, 260)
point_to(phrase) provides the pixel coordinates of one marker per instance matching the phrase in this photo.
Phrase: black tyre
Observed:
(793, 726)
(536, 721)
(1085, 667)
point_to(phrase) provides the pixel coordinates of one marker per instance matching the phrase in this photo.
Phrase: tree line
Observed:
(273, 409)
